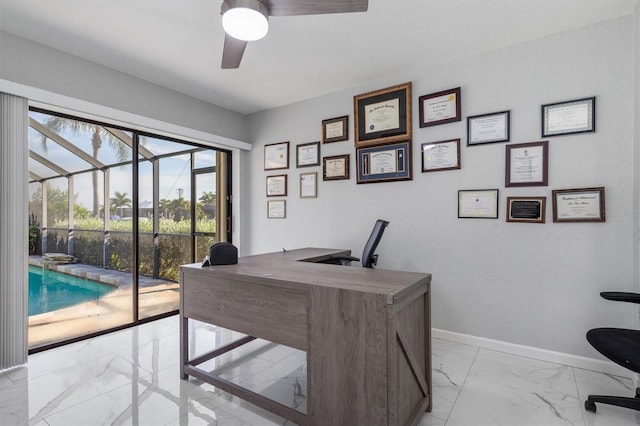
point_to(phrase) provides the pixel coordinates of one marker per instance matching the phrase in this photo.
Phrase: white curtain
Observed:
(14, 116)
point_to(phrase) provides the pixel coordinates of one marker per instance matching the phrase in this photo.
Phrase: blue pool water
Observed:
(51, 290)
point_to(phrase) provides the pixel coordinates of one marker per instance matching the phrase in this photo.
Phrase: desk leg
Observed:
(184, 346)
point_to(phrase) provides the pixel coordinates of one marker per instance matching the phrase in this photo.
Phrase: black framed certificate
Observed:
(565, 118)
(488, 128)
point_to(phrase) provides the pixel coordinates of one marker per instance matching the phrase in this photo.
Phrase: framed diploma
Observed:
(276, 156)
(526, 209)
(383, 116)
(440, 107)
(565, 118)
(478, 204)
(527, 164)
(309, 185)
(277, 186)
(308, 154)
(443, 155)
(335, 129)
(276, 209)
(579, 205)
(488, 128)
(384, 163)
(335, 167)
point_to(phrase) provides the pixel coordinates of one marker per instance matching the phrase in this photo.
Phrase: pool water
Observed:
(51, 290)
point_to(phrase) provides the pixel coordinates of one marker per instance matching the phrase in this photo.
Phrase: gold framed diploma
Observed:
(335, 129)
(488, 128)
(579, 205)
(276, 209)
(383, 116)
(478, 204)
(335, 167)
(309, 185)
(440, 107)
(526, 209)
(277, 186)
(527, 164)
(566, 118)
(384, 163)
(276, 156)
(308, 154)
(442, 155)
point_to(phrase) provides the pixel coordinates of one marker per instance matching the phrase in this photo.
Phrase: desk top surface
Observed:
(301, 266)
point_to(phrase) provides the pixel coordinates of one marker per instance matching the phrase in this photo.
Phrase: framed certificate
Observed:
(308, 154)
(527, 164)
(276, 209)
(276, 156)
(383, 116)
(443, 155)
(335, 129)
(566, 118)
(488, 128)
(579, 205)
(309, 185)
(526, 209)
(478, 204)
(335, 167)
(440, 107)
(277, 186)
(384, 163)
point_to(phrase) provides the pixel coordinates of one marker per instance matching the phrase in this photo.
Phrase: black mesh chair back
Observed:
(369, 258)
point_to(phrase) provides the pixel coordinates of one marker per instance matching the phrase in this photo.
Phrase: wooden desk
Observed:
(366, 332)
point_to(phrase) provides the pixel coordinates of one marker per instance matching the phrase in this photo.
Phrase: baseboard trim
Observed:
(585, 363)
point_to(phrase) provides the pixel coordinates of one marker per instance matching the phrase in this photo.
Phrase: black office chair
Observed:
(369, 259)
(621, 346)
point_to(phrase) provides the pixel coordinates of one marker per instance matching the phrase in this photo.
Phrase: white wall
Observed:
(38, 66)
(529, 284)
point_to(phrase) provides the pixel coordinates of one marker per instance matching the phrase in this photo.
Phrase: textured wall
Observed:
(528, 284)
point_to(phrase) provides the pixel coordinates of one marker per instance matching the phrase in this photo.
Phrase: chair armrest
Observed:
(345, 257)
(620, 296)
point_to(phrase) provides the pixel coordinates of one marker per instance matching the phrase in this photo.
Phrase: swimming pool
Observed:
(51, 290)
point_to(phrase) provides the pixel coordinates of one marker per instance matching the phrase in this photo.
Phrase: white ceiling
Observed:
(178, 43)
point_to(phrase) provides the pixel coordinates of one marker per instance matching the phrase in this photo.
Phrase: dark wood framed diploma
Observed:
(335, 129)
(579, 205)
(526, 209)
(527, 164)
(440, 107)
(383, 116)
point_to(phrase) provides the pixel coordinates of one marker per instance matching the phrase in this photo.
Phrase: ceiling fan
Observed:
(248, 20)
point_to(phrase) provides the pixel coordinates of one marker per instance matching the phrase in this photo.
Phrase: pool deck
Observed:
(155, 297)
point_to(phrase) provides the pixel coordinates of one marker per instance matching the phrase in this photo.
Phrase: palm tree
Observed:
(207, 197)
(99, 133)
(120, 200)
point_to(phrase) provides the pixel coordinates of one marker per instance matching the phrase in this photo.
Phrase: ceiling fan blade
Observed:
(314, 7)
(233, 51)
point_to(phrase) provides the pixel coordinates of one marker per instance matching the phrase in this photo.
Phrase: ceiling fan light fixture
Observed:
(245, 20)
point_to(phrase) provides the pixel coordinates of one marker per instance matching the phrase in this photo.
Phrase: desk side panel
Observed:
(248, 305)
(347, 358)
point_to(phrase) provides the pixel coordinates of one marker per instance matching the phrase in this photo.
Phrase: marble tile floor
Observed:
(131, 377)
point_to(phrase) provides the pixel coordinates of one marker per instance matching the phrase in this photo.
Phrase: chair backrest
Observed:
(369, 259)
